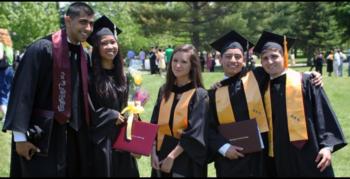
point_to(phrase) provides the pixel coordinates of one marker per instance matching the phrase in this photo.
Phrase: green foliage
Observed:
(4, 11)
(29, 21)
(342, 14)
(145, 24)
(191, 20)
(316, 27)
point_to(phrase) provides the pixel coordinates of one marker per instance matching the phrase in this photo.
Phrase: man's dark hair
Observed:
(75, 8)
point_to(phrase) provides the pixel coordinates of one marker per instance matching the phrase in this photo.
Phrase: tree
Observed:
(316, 27)
(28, 21)
(4, 12)
(342, 16)
(190, 20)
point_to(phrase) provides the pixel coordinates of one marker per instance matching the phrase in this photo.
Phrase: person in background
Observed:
(337, 63)
(142, 56)
(6, 76)
(319, 62)
(342, 60)
(152, 59)
(48, 110)
(303, 128)
(180, 112)
(168, 53)
(161, 61)
(330, 60)
(130, 56)
(348, 62)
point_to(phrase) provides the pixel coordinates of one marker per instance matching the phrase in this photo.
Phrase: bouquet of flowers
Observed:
(137, 98)
(136, 136)
(136, 92)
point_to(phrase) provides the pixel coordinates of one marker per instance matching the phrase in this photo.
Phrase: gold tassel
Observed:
(285, 52)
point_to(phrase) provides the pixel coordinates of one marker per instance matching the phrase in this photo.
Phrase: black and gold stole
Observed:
(256, 110)
(295, 111)
(180, 116)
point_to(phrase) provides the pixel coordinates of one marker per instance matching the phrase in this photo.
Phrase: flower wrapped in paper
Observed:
(137, 98)
(136, 136)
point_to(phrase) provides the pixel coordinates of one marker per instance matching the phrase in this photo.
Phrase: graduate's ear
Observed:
(244, 60)
(67, 20)
(220, 59)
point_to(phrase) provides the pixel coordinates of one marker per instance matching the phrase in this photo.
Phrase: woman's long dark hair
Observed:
(195, 71)
(106, 87)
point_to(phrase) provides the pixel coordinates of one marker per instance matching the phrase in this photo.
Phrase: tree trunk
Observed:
(195, 24)
(309, 56)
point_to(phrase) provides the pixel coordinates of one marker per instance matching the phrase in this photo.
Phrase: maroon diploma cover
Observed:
(243, 134)
(143, 135)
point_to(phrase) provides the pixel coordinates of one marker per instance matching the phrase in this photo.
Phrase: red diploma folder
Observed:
(143, 135)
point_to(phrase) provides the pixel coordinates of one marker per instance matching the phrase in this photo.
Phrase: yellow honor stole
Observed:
(180, 116)
(253, 98)
(295, 111)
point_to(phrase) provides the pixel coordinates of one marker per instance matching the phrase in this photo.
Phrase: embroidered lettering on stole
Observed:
(256, 109)
(296, 119)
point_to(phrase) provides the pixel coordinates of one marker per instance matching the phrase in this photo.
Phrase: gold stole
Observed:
(253, 98)
(295, 110)
(180, 121)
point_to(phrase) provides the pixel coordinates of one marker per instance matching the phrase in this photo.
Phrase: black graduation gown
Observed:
(251, 164)
(322, 127)
(193, 141)
(108, 162)
(32, 89)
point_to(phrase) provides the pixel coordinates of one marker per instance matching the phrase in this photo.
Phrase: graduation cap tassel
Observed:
(248, 62)
(285, 52)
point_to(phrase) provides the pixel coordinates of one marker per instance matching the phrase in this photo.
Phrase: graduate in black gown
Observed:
(109, 95)
(303, 128)
(180, 112)
(236, 100)
(48, 109)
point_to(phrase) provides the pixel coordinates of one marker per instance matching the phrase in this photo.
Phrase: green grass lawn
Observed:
(337, 89)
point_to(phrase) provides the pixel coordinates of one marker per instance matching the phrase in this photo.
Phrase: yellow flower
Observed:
(137, 79)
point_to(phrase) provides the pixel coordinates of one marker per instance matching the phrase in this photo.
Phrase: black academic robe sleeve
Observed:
(103, 124)
(215, 139)
(27, 85)
(104, 116)
(327, 128)
(193, 139)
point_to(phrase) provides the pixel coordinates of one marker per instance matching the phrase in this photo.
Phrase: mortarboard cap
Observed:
(103, 26)
(231, 40)
(271, 40)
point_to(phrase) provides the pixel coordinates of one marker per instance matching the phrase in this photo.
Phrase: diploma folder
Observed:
(244, 134)
(142, 137)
